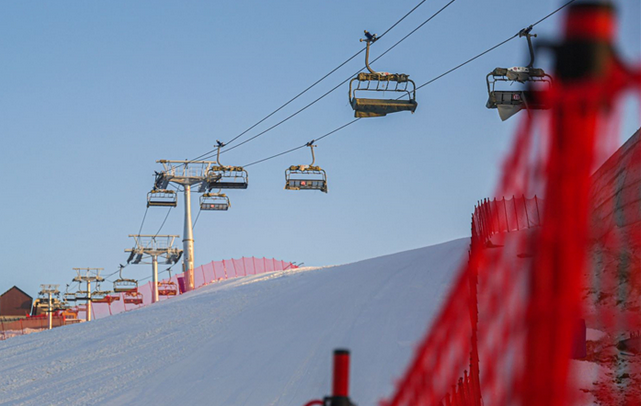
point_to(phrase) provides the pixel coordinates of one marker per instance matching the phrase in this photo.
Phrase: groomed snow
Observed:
(258, 340)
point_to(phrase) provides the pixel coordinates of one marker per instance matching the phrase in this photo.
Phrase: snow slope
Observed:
(257, 340)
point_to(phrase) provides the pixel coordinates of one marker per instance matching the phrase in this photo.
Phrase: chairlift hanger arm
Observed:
(525, 32)
(370, 39)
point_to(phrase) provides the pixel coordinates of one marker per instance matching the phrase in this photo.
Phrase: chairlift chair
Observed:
(124, 285)
(224, 177)
(133, 297)
(162, 198)
(306, 177)
(510, 102)
(214, 201)
(109, 299)
(167, 288)
(381, 82)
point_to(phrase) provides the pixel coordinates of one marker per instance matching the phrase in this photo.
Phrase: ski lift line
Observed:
(208, 154)
(163, 223)
(304, 145)
(343, 82)
(402, 18)
(424, 84)
(295, 97)
(143, 220)
(552, 13)
(468, 61)
(196, 220)
(414, 30)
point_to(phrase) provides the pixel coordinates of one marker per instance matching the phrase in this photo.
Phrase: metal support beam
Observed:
(188, 242)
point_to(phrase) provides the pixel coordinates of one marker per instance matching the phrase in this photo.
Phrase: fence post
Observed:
(538, 215)
(340, 384)
(507, 222)
(496, 210)
(527, 216)
(516, 213)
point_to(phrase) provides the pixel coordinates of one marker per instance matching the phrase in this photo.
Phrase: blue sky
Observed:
(93, 93)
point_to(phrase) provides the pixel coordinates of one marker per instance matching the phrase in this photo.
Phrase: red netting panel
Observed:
(259, 264)
(516, 304)
(199, 277)
(219, 270)
(269, 265)
(248, 264)
(208, 271)
(232, 272)
(240, 267)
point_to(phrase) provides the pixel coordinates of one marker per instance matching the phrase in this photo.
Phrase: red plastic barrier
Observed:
(512, 311)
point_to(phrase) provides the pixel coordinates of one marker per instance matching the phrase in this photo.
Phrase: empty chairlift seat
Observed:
(226, 177)
(214, 201)
(382, 82)
(374, 83)
(167, 289)
(162, 198)
(510, 101)
(133, 297)
(305, 177)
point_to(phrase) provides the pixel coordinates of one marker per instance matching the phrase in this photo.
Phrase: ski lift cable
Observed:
(196, 221)
(211, 152)
(304, 145)
(343, 82)
(163, 222)
(421, 86)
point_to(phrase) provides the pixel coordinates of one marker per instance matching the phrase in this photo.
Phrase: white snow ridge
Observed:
(258, 340)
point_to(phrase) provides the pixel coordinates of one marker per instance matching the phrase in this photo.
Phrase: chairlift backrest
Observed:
(214, 201)
(125, 285)
(162, 198)
(227, 177)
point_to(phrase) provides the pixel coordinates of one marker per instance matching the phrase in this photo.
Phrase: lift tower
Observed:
(49, 291)
(202, 175)
(90, 275)
(154, 246)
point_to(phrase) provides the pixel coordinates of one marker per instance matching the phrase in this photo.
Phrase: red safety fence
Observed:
(212, 272)
(512, 314)
(27, 325)
(497, 216)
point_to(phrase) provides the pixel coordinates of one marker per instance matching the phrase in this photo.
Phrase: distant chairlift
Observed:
(103, 296)
(224, 177)
(306, 177)
(162, 198)
(167, 288)
(510, 102)
(381, 82)
(133, 297)
(124, 285)
(214, 201)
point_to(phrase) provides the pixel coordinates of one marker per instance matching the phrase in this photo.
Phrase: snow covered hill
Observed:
(257, 340)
